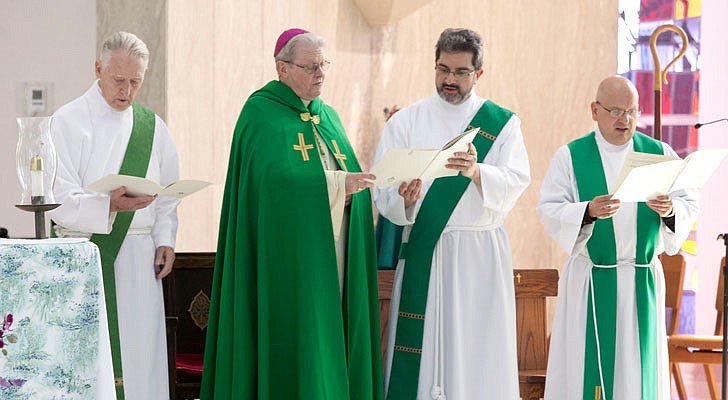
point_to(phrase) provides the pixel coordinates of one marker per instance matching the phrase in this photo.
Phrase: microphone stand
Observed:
(723, 236)
(698, 125)
(725, 322)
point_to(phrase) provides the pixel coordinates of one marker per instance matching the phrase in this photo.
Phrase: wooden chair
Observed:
(674, 270)
(187, 303)
(533, 287)
(701, 349)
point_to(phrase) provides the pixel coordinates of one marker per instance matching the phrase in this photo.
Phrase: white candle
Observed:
(36, 176)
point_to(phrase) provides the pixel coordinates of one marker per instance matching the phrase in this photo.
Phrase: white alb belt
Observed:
(472, 228)
(621, 263)
(65, 233)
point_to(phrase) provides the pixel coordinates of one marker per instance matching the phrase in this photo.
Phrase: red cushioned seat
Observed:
(189, 364)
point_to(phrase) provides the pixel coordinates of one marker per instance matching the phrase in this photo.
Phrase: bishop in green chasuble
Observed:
(279, 326)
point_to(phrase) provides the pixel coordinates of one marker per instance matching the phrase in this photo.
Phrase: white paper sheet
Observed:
(404, 165)
(136, 186)
(646, 182)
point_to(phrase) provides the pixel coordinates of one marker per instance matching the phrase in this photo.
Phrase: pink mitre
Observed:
(285, 37)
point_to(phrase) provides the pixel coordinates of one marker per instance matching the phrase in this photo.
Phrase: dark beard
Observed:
(454, 99)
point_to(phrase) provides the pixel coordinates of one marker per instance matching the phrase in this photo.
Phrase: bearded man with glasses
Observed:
(294, 311)
(608, 339)
(452, 328)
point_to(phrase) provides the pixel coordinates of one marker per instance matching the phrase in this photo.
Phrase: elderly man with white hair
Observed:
(104, 132)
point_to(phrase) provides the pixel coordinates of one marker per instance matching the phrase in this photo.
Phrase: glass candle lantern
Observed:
(36, 160)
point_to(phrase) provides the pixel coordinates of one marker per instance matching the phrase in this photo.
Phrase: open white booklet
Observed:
(136, 186)
(404, 165)
(646, 176)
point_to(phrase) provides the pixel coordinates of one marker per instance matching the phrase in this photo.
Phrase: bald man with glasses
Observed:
(608, 337)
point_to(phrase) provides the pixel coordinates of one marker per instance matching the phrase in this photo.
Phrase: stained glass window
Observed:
(638, 20)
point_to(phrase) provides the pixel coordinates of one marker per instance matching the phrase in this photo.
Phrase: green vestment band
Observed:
(437, 206)
(389, 238)
(135, 163)
(591, 182)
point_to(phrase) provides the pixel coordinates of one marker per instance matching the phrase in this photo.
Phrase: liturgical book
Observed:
(136, 186)
(646, 176)
(404, 165)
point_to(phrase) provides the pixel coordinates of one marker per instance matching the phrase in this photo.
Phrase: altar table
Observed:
(53, 289)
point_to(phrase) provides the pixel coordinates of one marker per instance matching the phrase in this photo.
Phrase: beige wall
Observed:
(148, 20)
(543, 60)
(48, 42)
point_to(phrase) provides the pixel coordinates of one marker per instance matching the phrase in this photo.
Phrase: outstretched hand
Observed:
(466, 163)
(662, 205)
(358, 181)
(120, 201)
(411, 192)
(603, 207)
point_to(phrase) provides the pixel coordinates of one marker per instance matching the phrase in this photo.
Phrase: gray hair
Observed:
(288, 52)
(457, 40)
(125, 42)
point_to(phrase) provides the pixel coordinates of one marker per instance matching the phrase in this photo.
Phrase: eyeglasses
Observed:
(458, 73)
(310, 69)
(618, 112)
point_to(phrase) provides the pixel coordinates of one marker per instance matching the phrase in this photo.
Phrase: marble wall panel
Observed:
(543, 60)
(148, 20)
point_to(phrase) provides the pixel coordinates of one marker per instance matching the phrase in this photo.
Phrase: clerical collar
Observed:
(609, 146)
(306, 102)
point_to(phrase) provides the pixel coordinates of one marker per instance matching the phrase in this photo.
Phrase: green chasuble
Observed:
(599, 352)
(278, 327)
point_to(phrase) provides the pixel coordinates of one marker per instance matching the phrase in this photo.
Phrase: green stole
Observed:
(591, 182)
(437, 206)
(135, 163)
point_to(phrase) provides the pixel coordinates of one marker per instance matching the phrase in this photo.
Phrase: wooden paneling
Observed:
(385, 279)
(187, 291)
(533, 287)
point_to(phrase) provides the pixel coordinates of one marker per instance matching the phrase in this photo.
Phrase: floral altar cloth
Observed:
(55, 342)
